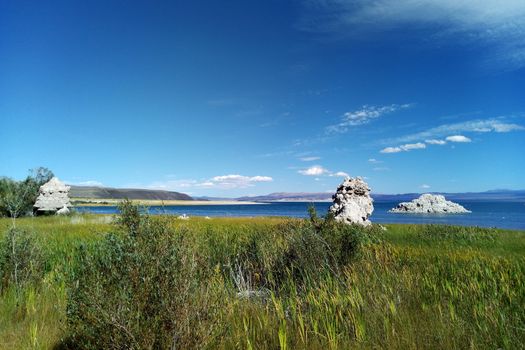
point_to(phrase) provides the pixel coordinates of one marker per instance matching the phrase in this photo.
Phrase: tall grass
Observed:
(266, 283)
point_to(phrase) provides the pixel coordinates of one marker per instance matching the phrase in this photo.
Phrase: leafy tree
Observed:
(36, 178)
(17, 197)
(40, 175)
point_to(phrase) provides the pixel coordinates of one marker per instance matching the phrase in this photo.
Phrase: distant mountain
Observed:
(496, 195)
(493, 195)
(121, 193)
(132, 193)
(207, 198)
(290, 197)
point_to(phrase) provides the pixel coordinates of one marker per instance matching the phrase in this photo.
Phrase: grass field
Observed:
(262, 283)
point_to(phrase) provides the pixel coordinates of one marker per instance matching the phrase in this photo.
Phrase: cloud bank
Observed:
(495, 26)
(436, 142)
(498, 125)
(231, 181)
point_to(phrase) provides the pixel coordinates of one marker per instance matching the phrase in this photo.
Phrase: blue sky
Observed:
(244, 97)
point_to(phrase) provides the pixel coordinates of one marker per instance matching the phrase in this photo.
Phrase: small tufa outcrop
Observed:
(53, 197)
(63, 211)
(352, 203)
(430, 204)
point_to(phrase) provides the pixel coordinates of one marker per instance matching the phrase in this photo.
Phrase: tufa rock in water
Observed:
(352, 203)
(53, 197)
(429, 204)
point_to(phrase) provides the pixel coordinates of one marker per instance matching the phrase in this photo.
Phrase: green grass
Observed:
(418, 286)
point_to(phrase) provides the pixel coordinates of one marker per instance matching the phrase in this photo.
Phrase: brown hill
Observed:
(93, 192)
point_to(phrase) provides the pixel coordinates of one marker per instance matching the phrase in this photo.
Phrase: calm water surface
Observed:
(510, 215)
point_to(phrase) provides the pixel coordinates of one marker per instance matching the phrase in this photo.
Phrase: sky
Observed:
(234, 98)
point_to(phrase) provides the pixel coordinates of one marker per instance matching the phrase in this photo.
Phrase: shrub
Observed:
(344, 241)
(296, 250)
(152, 283)
(138, 288)
(17, 197)
(22, 261)
(291, 251)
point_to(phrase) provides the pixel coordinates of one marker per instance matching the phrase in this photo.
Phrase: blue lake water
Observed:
(509, 215)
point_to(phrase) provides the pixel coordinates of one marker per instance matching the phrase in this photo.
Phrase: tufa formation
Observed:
(352, 203)
(53, 197)
(429, 204)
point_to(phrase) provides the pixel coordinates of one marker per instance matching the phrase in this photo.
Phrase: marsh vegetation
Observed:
(149, 282)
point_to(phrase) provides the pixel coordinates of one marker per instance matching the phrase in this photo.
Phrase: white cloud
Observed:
(496, 26)
(420, 145)
(381, 168)
(374, 161)
(340, 174)
(458, 138)
(318, 170)
(171, 185)
(315, 170)
(237, 181)
(309, 159)
(404, 148)
(363, 116)
(411, 146)
(221, 182)
(259, 178)
(425, 186)
(391, 150)
(504, 127)
(436, 142)
(481, 125)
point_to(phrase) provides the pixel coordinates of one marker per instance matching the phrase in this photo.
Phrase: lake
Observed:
(503, 214)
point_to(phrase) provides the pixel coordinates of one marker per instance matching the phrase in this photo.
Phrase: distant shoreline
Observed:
(100, 202)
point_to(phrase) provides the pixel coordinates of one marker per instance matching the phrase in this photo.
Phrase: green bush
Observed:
(138, 288)
(17, 197)
(22, 261)
(142, 286)
(291, 251)
(344, 241)
(296, 250)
